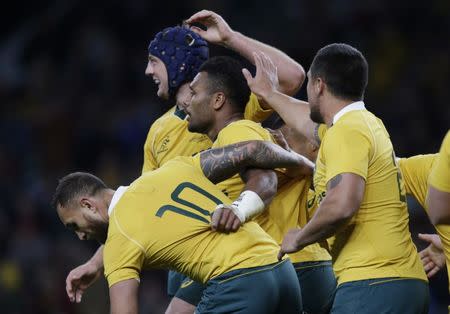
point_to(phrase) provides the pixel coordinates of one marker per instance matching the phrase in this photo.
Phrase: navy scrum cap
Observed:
(182, 51)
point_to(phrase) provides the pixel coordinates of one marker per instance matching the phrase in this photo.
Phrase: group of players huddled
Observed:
(310, 217)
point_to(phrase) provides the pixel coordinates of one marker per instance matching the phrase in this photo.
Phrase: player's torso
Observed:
(376, 242)
(167, 211)
(169, 138)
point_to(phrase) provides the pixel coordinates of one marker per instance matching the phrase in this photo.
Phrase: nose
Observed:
(81, 235)
(149, 69)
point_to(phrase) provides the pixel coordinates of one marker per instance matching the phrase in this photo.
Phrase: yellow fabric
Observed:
(254, 112)
(168, 138)
(440, 175)
(288, 207)
(416, 171)
(376, 242)
(289, 210)
(235, 132)
(321, 131)
(141, 235)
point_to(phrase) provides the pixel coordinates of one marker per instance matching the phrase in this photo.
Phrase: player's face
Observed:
(314, 107)
(199, 109)
(84, 220)
(156, 69)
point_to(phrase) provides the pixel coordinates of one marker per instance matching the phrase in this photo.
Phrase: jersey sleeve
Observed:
(149, 159)
(123, 259)
(254, 111)
(440, 174)
(346, 150)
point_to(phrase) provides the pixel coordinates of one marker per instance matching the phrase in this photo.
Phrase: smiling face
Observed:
(83, 216)
(157, 70)
(199, 109)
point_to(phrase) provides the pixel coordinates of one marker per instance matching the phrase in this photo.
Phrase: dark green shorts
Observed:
(382, 295)
(318, 285)
(184, 288)
(263, 290)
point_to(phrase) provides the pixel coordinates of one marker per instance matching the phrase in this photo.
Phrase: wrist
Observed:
(247, 205)
(230, 39)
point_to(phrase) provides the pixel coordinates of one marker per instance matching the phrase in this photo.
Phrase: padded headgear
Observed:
(182, 51)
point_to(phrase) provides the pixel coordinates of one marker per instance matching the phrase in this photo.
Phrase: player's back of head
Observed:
(343, 68)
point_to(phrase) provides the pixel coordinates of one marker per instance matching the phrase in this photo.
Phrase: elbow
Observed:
(295, 80)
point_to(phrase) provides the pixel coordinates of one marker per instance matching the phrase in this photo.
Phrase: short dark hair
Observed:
(343, 68)
(225, 75)
(75, 184)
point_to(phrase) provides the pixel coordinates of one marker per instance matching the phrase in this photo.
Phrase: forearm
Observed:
(97, 258)
(439, 206)
(221, 163)
(262, 182)
(295, 113)
(290, 74)
(324, 224)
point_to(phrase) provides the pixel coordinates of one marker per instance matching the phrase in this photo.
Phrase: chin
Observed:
(164, 94)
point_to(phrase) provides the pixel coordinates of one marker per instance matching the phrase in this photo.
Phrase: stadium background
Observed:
(74, 96)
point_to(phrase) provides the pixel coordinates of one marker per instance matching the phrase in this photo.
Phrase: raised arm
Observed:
(290, 74)
(294, 112)
(221, 163)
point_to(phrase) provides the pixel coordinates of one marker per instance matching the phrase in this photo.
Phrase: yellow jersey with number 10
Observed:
(163, 221)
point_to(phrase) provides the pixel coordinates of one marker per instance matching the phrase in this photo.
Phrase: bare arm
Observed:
(294, 112)
(262, 182)
(439, 206)
(124, 297)
(344, 196)
(221, 163)
(83, 276)
(290, 74)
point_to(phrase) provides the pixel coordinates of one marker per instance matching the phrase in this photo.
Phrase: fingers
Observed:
(71, 286)
(79, 294)
(429, 266)
(248, 76)
(426, 237)
(280, 254)
(224, 220)
(433, 272)
(216, 217)
(198, 30)
(199, 16)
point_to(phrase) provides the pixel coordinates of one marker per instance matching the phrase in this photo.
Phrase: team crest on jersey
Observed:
(164, 145)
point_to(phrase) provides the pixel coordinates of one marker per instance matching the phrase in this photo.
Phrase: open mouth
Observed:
(157, 82)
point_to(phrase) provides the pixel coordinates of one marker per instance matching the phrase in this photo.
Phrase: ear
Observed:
(87, 203)
(218, 100)
(319, 85)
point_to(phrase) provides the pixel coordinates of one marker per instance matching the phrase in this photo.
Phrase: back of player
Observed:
(174, 204)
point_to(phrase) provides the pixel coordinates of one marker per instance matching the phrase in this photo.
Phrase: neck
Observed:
(222, 122)
(334, 105)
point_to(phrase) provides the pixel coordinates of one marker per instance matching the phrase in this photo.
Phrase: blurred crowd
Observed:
(74, 97)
